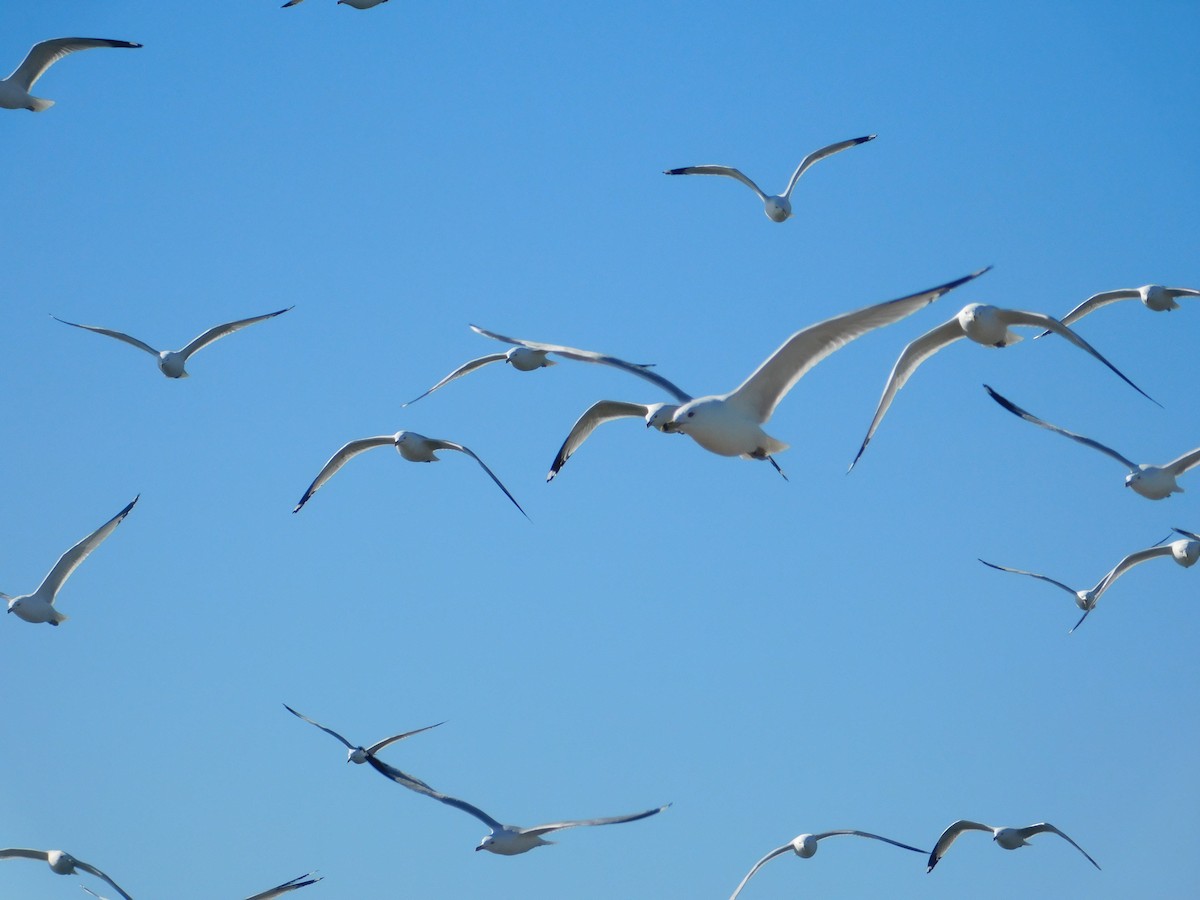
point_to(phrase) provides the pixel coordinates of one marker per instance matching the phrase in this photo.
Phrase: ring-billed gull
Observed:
(61, 862)
(526, 356)
(360, 754)
(39, 606)
(506, 840)
(1152, 482)
(777, 208)
(1008, 838)
(1184, 552)
(805, 846)
(731, 424)
(412, 446)
(278, 891)
(357, 4)
(171, 362)
(1154, 297)
(14, 90)
(987, 325)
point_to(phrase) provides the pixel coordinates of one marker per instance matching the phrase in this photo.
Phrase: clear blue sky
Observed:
(771, 657)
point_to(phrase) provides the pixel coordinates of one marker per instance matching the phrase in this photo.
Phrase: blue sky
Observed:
(672, 626)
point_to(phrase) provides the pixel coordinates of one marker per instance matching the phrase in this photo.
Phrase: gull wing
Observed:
(611, 820)
(778, 851)
(1094, 302)
(22, 853)
(458, 373)
(466, 807)
(759, 394)
(911, 357)
(330, 731)
(1041, 827)
(1029, 417)
(376, 747)
(1030, 574)
(727, 171)
(339, 459)
(92, 870)
(199, 342)
(285, 6)
(451, 445)
(1040, 320)
(1178, 466)
(401, 778)
(949, 836)
(119, 335)
(43, 55)
(596, 415)
(1128, 563)
(867, 834)
(818, 155)
(295, 883)
(69, 561)
(1187, 534)
(1181, 292)
(639, 369)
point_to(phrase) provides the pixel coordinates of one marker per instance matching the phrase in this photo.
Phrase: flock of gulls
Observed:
(728, 424)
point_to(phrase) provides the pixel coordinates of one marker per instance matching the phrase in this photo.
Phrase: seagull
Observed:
(526, 356)
(39, 606)
(412, 446)
(731, 424)
(779, 208)
(360, 754)
(14, 90)
(1153, 296)
(510, 840)
(286, 887)
(61, 862)
(1184, 552)
(171, 362)
(987, 325)
(1152, 482)
(805, 846)
(1008, 838)
(357, 4)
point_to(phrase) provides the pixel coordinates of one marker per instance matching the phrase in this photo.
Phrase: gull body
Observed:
(1008, 838)
(14, 90)
(171, 362)
(39, 606)
(778, 208)
(1185, 552)
(410, 445)
(1155, 297)
(988, 325)
(805, 846)
(526, 356)
(62, 863)
(1152, 482)
(731, 424)
(360, 754)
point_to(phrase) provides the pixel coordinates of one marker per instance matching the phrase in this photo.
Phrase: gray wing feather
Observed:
(119, 335)
(818, 155)
(287, 886)
(219, 331)
(758, 865)
(611, 820)
(1094, 302)
(45, 54)
(1046, 826)
(1046, 578)
(329, 731)
(92, 870)
(950, 835)
(727, 171)
(596, 415)
(1088, 442)
(868, 834)
(339, 459)
(69, 561)
(458, 373)
(451, 445)
(376, 747)
(1183, 463)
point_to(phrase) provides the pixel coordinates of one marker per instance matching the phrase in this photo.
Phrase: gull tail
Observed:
(37, 104)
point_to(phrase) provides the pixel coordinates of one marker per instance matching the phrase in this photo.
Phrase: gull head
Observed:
(1086, 600)
(804, 846)
(524, 359)
(982, 324)
(1009, 838)
(778, 209)
(659, 415)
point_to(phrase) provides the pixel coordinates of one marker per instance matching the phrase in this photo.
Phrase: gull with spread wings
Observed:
(14, 90)
(62, 863)
(1008, 838)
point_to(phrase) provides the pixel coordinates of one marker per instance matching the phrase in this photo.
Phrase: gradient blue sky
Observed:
(771, 657)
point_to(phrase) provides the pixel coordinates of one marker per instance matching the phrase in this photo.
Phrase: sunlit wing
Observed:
(45, 54)
(119, 335)
(595, 416)
(219, 331)
(818, 155)
(1026, 833)
(69, 561)
(339, 459)
(576, 823)
(1045, 578)
(727, 171)
(459, 373)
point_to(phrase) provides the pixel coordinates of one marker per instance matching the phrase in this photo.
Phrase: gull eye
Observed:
(690, 414)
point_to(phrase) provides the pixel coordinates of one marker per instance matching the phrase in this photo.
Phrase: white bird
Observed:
(731, 424)
(357, 4)
(412, 446)
(509, 840)
(39, 606)
(1154, 297)
(14, 90)
(277, 891)
(987, 325)
(1184, 552)
(61, 862)
(1008, 838)
(171, 362)
(360, 754)
(805, 846)
(1152, 482)
(777, 208)
(526, 356)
